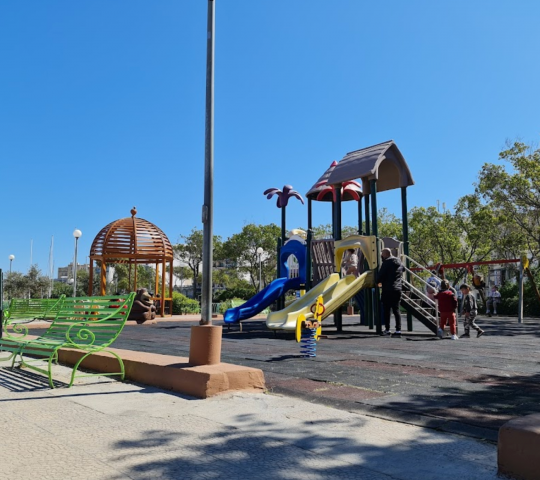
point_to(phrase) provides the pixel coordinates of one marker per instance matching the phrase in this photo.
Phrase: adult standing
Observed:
(390, 277)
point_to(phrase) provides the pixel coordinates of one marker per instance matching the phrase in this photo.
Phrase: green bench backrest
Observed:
(31, 308)
(90, 321)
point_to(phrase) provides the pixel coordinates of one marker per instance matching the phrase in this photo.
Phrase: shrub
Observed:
(182, 305)
(231, 303)
(235, 293)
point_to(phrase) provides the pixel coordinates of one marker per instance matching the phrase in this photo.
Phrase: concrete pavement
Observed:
(106, 430)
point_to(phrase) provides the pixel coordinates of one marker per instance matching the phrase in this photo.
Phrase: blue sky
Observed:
(102, 106)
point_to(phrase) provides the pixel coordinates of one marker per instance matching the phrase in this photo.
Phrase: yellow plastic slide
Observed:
(335, 293)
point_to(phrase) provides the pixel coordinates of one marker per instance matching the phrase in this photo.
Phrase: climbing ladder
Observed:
(414, 300)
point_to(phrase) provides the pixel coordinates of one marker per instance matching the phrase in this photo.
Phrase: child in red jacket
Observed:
(447, 310)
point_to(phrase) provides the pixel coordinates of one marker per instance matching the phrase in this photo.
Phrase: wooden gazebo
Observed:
(133, 241)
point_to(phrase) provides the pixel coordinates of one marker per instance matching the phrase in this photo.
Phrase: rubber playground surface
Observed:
(469, 386)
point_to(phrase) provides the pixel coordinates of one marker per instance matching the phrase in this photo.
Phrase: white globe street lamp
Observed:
(11, 258)
(77, 234)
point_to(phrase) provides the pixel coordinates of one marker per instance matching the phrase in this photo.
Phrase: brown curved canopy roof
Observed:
(382, 162)
(131, 240)
(322, 191)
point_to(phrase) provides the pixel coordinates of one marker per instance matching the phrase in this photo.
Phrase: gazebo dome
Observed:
(131, 240)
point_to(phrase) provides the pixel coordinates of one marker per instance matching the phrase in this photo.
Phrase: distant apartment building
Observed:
(66, 273)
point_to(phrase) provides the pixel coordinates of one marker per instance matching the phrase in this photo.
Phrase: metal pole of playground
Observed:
(208, 206)
(374, 223)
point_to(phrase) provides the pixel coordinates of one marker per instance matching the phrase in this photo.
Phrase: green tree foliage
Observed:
(30, 285)
(241, 249)
(515, 196)
(434, 236)
(146, 278)
(190, 252)
(182, 274)
(61, 288)
(241, 290)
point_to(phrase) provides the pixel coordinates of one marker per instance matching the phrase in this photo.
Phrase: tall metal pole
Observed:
(360, 219)
(338, 316)
(208, 206)
(405, 223)
(369, 292)
(75, 268)
(375, 228)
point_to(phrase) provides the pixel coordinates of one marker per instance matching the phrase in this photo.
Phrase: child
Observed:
(447, 309)
(494, 298)
(350, 263)
(469, 309)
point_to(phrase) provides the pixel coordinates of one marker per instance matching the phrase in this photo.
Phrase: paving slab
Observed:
(470, 385)
(101, 429)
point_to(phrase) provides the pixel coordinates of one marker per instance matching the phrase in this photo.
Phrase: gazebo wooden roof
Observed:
(132, 241)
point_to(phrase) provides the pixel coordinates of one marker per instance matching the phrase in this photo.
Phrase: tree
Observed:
(181, 273)
(515, 196)
(435, 237)
(190, 252)
(31, 285)
(241, 248)
(61, 288)
(389, 225)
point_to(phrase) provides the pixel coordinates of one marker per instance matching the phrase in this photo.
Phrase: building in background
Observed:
(66, 273)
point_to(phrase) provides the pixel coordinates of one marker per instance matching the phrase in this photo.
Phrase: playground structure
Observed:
(134, 241)
(275, 289)
(360, 175)
(524, 269)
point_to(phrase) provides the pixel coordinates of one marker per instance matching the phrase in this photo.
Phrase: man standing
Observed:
(390, 278)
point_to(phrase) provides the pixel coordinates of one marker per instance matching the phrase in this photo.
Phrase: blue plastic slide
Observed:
(261, 300)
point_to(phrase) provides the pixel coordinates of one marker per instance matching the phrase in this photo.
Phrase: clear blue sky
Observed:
(102, 106)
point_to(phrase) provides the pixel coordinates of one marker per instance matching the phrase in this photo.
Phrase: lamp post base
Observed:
(205, 345)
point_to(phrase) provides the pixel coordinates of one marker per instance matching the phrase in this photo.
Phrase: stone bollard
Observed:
(205, 345)
(518, 451)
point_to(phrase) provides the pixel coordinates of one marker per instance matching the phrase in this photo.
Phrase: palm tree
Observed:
(282, 201)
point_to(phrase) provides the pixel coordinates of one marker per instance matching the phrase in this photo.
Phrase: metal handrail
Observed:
(425, 298)
(421, 294)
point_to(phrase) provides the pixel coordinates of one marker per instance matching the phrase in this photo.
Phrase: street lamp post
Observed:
(11, 258)
(208, 206)
(259, 254)
(77, 234)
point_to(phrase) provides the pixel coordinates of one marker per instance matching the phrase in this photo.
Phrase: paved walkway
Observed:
(470, 386)
(106, 430)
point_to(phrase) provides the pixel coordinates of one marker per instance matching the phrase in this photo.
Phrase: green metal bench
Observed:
(30, 309)
(89, 324)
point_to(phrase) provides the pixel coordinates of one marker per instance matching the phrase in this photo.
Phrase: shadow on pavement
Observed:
(261, 449)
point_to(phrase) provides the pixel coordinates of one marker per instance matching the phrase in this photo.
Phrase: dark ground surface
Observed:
(469, 386)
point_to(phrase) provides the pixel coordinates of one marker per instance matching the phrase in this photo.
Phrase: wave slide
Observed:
(261, 300)
(335, 292)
